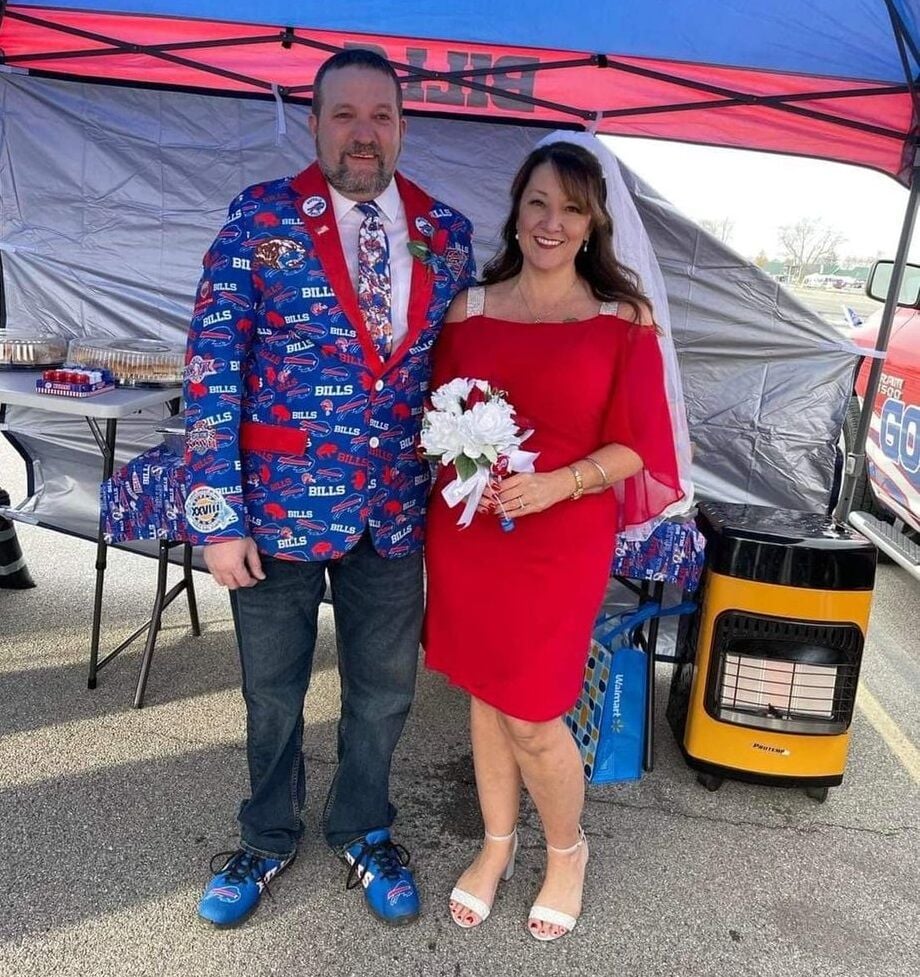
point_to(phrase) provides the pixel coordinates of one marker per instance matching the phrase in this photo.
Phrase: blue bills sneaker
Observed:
(380, 866)
(234, 892)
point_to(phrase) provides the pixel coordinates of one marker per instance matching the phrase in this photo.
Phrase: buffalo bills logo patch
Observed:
(281, 253)
(314, 206)
(206, 510)
(424, 226)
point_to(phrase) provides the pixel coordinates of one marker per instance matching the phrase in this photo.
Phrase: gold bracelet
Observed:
(605, 481)
(579, 483)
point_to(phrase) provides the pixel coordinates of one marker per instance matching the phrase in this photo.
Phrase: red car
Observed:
(886, 504)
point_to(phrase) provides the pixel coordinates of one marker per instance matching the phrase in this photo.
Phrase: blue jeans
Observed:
(378, 614)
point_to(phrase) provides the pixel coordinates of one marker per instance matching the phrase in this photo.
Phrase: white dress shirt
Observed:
(349, 218)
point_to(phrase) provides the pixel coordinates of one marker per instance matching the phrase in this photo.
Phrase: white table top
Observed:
(18, 387)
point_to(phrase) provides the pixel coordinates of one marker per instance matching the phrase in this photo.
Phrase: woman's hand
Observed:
(488, 501)
(525, 494)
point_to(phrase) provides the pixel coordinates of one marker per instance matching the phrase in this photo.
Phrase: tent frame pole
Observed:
(856, 453)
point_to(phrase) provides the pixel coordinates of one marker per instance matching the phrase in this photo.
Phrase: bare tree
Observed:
(720, 227)
(807, 244)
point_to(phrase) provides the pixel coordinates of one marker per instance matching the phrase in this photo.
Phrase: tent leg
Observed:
(856, 454)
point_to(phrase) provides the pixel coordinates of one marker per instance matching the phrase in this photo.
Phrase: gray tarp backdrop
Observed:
(109, 196)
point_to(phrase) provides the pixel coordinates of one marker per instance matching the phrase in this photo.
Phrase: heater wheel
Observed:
(709, 780)
(818, 794)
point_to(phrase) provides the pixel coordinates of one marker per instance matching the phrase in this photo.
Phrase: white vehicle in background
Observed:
(832, 281)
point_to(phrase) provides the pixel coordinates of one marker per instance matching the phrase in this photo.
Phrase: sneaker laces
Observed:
(239, 866)
(389, 858)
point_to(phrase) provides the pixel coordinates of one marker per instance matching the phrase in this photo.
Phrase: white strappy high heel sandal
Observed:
(473, 903)
(555, 917)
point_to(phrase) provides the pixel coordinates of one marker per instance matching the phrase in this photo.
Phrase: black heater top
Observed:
(785, 547)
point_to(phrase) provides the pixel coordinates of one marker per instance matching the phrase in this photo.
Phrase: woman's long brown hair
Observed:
(582, 179)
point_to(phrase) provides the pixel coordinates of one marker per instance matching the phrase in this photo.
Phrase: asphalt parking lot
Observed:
(829, 302)
(109, 816)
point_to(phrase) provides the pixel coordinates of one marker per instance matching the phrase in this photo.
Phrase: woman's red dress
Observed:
(509, 615)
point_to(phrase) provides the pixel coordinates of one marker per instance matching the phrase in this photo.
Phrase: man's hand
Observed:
(234, 563)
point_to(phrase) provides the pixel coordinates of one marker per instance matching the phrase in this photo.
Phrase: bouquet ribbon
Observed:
(470, 489)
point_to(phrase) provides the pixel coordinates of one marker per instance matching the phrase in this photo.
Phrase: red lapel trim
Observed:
(310, 186)
(416, 203)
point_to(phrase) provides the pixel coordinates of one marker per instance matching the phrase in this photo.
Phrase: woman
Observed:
(562, 328)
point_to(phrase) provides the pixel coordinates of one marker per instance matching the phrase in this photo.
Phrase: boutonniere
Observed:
(431, 251)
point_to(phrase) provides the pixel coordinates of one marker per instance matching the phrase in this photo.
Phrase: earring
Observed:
(516, 236)
(584, 247)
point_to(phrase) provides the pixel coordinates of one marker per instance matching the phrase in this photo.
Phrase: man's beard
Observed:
(349, 182)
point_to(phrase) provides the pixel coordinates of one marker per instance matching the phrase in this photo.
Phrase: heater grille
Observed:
(786, 676)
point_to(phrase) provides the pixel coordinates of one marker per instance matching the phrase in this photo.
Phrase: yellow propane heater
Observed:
(765, 683)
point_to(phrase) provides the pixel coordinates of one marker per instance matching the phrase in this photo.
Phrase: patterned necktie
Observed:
(374, 279)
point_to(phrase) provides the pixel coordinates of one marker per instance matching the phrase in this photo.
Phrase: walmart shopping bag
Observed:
(608, 719)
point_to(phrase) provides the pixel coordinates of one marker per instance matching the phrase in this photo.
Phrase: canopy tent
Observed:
(831, 78)
(835, 80)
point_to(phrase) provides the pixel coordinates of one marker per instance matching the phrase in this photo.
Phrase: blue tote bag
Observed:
(608, 719)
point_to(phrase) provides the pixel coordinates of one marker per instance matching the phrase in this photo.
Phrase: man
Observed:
(308, 364)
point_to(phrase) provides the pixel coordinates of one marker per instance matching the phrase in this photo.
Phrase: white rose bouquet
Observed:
(474, 428)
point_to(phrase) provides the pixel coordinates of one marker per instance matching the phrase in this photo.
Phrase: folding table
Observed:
(17, 387)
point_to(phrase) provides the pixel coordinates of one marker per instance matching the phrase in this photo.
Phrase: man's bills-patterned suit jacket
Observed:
(297, 433)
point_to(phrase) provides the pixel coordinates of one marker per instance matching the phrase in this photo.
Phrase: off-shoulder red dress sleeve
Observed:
(639, 418)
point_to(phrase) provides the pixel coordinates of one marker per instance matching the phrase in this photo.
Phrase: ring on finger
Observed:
(521, 503)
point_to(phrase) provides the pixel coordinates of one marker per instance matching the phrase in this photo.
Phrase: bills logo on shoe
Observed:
(226, 893)
(235, 890)
(399, 891)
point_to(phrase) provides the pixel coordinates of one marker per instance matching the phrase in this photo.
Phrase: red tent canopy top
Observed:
(869, 123)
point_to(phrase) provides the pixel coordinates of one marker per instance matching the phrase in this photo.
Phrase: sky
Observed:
(762, 191)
